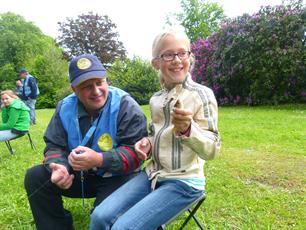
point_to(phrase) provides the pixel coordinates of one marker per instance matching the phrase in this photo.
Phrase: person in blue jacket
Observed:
(28, 92)
(89, 145)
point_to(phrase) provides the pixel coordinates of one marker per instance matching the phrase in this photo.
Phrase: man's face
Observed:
(23, 75)
(92, 93)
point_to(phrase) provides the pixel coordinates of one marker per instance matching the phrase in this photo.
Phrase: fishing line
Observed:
(39, 188)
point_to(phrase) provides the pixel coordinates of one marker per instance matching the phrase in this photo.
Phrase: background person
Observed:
(92, 130)
(15, 116)
(19, 88)
(184, 125)
(29, 92)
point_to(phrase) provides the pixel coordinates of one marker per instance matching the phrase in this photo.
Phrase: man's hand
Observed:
(19, 83)
(60, 176)
(83, 158)
(142, 148)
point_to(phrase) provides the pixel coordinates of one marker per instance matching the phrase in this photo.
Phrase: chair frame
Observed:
(8, 144)
(192, 213)
(192, 209)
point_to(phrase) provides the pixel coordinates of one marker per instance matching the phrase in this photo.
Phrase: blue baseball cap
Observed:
(85, 67)
(23, 70)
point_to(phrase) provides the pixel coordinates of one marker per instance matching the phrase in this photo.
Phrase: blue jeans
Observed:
(135, 206)
(31, 104)
(6, 135)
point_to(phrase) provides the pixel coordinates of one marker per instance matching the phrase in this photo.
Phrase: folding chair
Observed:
(192, 209)
(8, 144)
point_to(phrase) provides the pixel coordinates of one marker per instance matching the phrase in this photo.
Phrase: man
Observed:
(28, 93)
(89, 145)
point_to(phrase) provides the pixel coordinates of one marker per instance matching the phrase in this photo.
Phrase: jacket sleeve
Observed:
(204, 137)
(9, 121)
(4, 115)
(131, 127)
(55, 137)
(32, 85)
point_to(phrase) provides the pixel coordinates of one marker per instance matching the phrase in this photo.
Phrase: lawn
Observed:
(257, 182)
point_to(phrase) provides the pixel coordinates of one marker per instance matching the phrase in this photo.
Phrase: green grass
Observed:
(257, 182)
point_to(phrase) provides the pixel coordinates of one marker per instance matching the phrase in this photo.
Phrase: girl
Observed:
(184, 135)
(15, 116)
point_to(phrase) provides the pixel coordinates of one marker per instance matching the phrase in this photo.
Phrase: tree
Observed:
(92, 34)
(199, 19)
(20, 41)
(22, 44)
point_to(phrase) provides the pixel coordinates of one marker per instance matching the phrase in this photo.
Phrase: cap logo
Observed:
(83, 63)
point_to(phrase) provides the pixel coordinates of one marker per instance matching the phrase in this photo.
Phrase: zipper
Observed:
(166, 111)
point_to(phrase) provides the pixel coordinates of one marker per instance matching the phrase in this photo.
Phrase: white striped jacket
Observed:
(180, 157)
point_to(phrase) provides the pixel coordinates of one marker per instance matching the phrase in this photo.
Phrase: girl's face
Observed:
(174, 71)
(6, 99)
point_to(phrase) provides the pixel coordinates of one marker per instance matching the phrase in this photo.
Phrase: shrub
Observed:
(51, 71)
(258, 59)
(137, 77)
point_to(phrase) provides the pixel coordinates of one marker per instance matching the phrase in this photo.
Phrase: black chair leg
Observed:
(8, 145)
(33, 146)
(192, 214)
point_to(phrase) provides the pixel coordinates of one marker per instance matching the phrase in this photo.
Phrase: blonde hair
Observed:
(157, 42)
(10, 93)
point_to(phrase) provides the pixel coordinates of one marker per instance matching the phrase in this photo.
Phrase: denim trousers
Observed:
(136, 206)
(31, 104)
(46, 202)
(6, 135)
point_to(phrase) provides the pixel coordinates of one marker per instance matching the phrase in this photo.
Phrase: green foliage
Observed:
(137, 77)
(257, 182)
(51, 71)
(91, 33)
(20, 41)
(6, 79)
(200, 18)
(23, 45)
(257, 59)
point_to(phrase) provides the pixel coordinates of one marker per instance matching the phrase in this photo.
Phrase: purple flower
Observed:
(237, 100)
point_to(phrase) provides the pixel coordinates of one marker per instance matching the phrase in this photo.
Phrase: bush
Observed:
(51, 71)
(137, 77)
(258, 59)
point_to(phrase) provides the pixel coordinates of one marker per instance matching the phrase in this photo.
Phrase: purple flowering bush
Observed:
(256, 59)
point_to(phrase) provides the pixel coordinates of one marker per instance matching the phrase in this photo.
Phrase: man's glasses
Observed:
(182, 55)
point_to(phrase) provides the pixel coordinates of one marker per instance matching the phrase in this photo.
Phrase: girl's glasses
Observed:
(182, 55)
